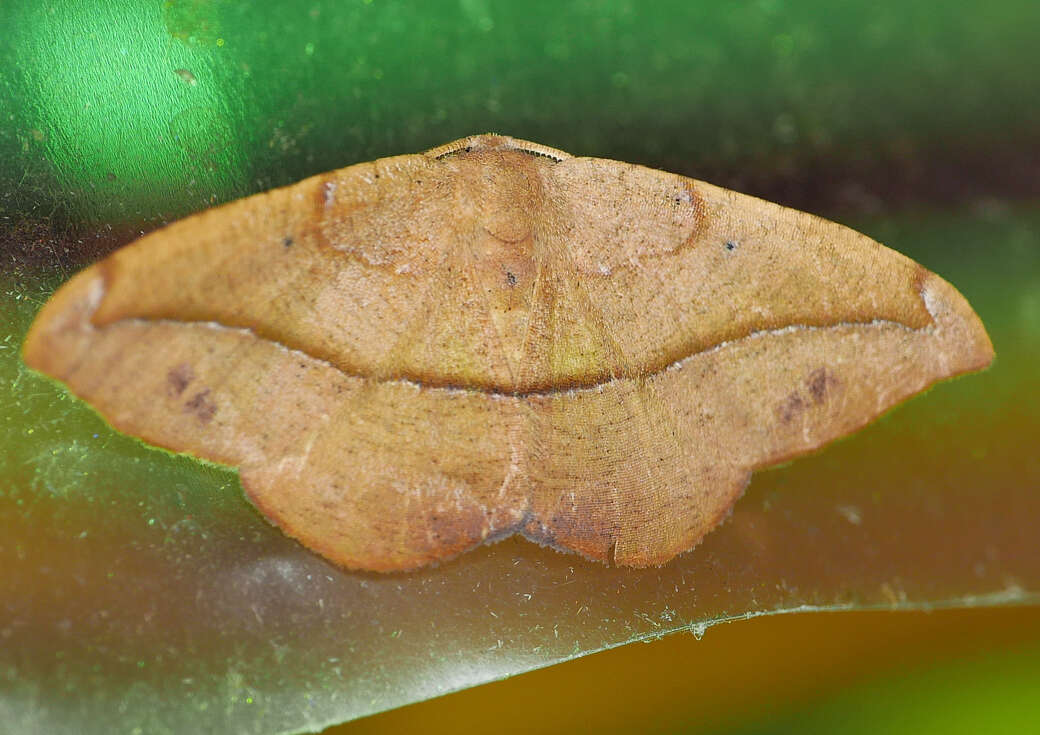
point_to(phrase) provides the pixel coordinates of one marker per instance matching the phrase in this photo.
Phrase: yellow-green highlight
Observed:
(951, 672)
(134, 118)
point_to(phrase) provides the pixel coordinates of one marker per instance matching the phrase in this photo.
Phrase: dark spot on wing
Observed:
(790, 408)
(820, 384)
(730, 245)
(510, 278)
(202, 406)
(287, 241)
(178, 379)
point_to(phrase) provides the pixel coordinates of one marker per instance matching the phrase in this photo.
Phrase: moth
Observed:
(409, 357)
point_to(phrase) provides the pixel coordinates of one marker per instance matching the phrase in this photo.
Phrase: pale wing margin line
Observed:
(495, 394)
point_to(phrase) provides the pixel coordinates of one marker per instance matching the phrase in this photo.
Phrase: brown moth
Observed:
(408, 357)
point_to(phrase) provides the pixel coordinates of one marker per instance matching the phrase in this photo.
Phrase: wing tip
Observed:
(958, 327)
(50, 346)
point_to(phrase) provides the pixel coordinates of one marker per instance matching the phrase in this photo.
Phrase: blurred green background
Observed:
(917, 123)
